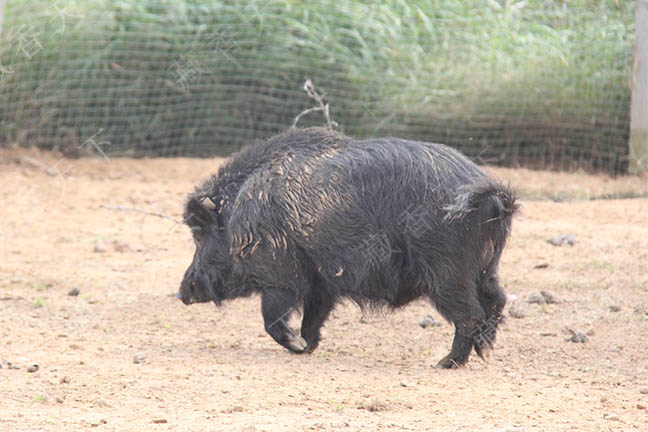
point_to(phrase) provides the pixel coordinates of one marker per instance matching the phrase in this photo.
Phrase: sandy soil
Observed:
(208, 369)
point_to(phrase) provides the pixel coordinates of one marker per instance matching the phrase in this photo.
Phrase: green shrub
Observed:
(538, 81)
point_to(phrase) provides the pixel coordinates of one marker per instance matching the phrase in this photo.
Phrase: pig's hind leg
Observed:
(462, 307)
(492, 300)
(277, 305)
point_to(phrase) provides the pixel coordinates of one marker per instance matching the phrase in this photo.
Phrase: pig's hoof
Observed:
(310, 347)
(484, 352)
(296, 344)
(447, 362)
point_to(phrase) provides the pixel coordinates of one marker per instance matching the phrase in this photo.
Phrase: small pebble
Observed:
(74, 292)
(641, 310)
(568, 239)
(59, 400)
(577, 337)
(614, 308)
(121, 247)
(139, 358)
(65, 380)
(516, 311)
(612, 417)
(548, 297)
(33, 368)
(641, 407)
(541, 266)
(644, 391)
(537, 299)
(428, 321)
(160, 421)
(126, 247)
(99, 247)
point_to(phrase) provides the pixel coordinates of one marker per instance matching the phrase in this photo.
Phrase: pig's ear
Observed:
(197, 214)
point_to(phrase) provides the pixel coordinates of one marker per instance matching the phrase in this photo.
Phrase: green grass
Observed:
(542, 82)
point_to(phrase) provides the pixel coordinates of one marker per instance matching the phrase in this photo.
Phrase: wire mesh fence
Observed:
(544, 83)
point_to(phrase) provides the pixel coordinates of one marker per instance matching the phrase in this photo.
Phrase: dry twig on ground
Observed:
(146, 212)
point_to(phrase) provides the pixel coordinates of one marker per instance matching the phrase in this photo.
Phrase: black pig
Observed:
(311, 217)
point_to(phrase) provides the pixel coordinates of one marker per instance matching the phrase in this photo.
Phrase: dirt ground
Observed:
(208, 369)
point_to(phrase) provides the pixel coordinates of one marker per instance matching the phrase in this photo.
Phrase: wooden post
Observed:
(638, 162)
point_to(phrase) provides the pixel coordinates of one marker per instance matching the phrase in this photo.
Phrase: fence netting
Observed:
(542, 83)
